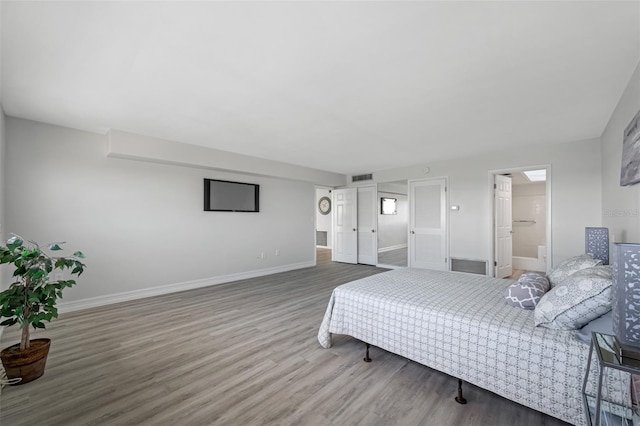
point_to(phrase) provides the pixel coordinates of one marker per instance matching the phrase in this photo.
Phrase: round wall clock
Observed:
(324, 205)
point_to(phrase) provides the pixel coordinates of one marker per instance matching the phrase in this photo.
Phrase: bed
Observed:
(459, 324)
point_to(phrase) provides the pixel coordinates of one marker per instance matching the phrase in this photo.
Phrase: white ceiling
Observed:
(348, 87)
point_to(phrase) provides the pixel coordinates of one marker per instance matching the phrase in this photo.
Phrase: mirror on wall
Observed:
(393, 218)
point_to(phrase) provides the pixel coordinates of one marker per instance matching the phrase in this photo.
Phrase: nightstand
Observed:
(598, 408)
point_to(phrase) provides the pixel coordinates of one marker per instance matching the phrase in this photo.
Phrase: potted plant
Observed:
(30, 301)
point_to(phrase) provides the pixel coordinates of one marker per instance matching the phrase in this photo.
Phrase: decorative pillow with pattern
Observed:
(570, 266)
(582, 297)
(527, 291)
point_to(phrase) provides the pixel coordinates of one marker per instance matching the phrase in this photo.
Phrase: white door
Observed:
(345, 223)
(368, 225)
(428, 224)
(503, 226)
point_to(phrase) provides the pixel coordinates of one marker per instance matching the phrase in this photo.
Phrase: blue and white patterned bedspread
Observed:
(459, 324)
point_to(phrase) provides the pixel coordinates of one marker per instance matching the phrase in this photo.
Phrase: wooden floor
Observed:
(397, 257)
(243, 353)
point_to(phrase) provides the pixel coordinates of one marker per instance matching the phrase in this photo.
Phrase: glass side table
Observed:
(599, 409)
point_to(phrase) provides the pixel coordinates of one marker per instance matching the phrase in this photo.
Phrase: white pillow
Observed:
(570, 266)
(582, 297)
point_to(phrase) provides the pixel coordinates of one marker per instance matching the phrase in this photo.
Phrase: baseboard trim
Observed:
(94, 302)
(399, 246)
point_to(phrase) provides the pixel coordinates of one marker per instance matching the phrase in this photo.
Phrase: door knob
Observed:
(413, 232)
(373, 230)
(354, 229)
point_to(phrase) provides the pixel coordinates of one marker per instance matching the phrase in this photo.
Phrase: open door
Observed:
(367, 225)
(428, 224)
(345, 223)
(503, 226)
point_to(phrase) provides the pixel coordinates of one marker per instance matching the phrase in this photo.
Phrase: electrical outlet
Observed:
(263, 255)
(277, 252)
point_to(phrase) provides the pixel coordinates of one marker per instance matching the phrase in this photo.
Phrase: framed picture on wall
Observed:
(630, 171)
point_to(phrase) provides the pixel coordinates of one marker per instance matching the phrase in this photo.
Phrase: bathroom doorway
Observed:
(521, 220)
(529, 213)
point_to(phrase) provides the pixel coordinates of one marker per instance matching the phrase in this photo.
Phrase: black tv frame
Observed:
(207, 196)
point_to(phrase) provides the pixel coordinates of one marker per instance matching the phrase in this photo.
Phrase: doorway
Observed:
(521, 220)
(324, 224)
(323, 220)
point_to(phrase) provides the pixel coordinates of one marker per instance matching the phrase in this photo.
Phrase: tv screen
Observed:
(225, 196)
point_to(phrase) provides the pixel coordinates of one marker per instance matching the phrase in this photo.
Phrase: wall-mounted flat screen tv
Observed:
(226, 196)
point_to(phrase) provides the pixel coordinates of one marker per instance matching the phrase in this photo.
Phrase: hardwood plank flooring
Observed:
(396, 257)
(242, 353)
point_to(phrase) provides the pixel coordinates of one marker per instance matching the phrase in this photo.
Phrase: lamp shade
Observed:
(626, 294)
(596, 242)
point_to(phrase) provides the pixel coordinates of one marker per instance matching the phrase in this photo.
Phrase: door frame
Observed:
(491, 228)
(446, 217)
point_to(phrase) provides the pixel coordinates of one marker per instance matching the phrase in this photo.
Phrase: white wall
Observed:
(575, 191)
(145, 148)
(2, 155)
(3, 145)
(620, 204)
(4, 274)
(392, 228)
(529, 203)
(323, 221)
(142, 225)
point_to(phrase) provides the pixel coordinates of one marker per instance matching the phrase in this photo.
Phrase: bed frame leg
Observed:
(460, 399)
(366, 355)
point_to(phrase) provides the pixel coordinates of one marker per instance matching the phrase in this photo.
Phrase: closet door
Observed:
(345, 219)
(428, 239)
(368, 225)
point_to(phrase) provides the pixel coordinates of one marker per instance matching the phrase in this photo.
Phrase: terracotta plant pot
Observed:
(28, 364)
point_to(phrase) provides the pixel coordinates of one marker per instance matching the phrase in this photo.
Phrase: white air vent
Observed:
(360, 178)
(321, 238)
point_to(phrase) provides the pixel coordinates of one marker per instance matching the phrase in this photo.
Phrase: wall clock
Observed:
(324, 205)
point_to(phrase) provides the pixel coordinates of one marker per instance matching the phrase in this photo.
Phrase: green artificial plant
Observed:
(31, 298)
